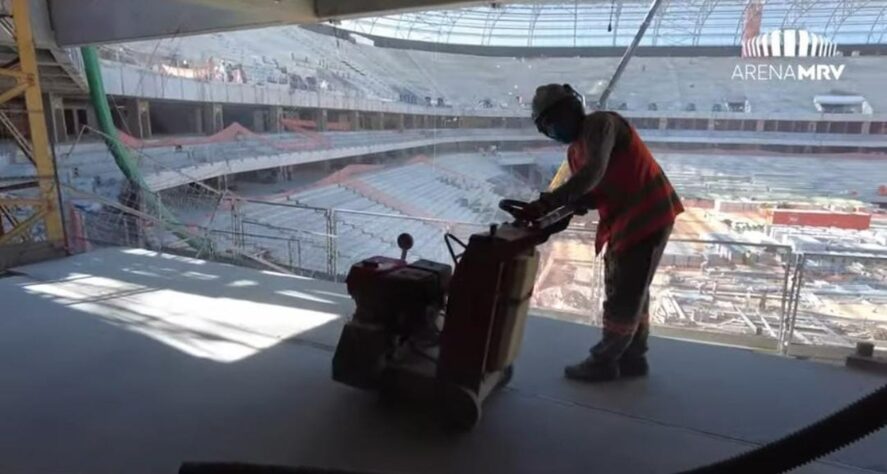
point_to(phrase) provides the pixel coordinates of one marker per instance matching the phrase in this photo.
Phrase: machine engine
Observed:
(446, 335)
(399, 309)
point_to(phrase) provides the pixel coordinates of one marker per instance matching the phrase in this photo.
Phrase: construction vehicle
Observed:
(446, 336)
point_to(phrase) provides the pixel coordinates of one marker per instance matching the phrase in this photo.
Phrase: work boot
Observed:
(633, 366)
(593, 370)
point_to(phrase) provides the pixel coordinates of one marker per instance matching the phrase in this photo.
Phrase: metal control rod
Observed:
(602, 101)
(563, 172)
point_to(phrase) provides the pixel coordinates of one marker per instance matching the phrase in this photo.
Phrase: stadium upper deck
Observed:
(295, 58)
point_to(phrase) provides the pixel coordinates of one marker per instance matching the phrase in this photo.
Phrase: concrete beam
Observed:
(108, 21)
(356, 8)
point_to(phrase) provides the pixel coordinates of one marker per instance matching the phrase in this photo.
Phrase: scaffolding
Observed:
(22, 210)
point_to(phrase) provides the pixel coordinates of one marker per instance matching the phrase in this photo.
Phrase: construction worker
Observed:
(613, 171)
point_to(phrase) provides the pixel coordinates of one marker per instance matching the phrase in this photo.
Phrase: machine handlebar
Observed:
(555, 217)
(513, 207)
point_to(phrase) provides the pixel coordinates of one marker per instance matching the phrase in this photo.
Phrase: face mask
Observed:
(565, 132)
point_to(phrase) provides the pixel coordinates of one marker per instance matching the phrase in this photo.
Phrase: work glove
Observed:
(581, 207)
(538, 208)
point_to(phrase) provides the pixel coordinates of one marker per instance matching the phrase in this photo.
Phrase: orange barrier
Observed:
(820, 218)
(305, 140)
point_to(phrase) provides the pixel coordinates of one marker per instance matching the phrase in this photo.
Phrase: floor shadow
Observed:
(80, 394)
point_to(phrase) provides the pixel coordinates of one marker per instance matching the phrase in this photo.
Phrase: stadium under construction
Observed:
(180, 209)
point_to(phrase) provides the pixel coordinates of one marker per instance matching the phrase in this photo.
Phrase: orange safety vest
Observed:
(634, 198)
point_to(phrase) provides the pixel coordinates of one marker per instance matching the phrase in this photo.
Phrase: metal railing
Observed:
(839, 324)
(776, 277)
(762, 295)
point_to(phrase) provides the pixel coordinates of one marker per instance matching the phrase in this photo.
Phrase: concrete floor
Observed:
(127, 361)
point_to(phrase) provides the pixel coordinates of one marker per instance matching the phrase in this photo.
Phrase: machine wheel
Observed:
(461, 408)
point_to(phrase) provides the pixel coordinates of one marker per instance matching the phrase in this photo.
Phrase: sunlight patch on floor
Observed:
(217, 328)
(305, 296)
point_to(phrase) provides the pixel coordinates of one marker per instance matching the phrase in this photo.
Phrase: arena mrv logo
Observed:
(788, 72)
(782, 44)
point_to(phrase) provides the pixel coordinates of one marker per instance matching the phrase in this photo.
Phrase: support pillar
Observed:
(25, 81)
(259, 121)
(199, 127)
(401, 122)
(354, 120)
(866, 128)
(321, 120)
(663, 123)
(92, 119)
(55, 117)
(379, 121)
(759, 126)
(275, 124)
(138, 118)
(212, 118)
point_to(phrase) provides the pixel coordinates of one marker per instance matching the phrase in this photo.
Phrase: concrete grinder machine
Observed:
(450, 337)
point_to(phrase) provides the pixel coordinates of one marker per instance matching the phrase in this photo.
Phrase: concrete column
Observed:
(55, 117)
(866, 128)
(663, 123)
(77, 125)
(276, 119)
(320, 120)
(354, 120)
(91, 119)
(213, 121)
(199, 127)
(258, 121)
(759, 126)
(380, 121)
(401, 122)
(503, 122)
(138, 118)
(710, 125)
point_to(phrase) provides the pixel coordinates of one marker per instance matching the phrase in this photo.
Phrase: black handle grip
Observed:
(512, 206)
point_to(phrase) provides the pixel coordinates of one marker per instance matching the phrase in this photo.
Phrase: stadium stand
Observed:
(370, 212)
(705, 83)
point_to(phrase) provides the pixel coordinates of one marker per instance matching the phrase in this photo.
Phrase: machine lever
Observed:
(405, 243)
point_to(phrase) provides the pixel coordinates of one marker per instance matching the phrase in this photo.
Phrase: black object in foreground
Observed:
(244, 468)
(834, 432)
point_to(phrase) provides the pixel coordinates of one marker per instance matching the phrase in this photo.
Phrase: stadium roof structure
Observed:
(591, 23)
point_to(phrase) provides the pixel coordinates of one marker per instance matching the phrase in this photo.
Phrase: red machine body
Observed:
(447, 336)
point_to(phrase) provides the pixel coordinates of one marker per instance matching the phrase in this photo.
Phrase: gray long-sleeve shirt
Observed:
(601, 133)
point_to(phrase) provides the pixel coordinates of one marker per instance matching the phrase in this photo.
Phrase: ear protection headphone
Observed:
(576, 94)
